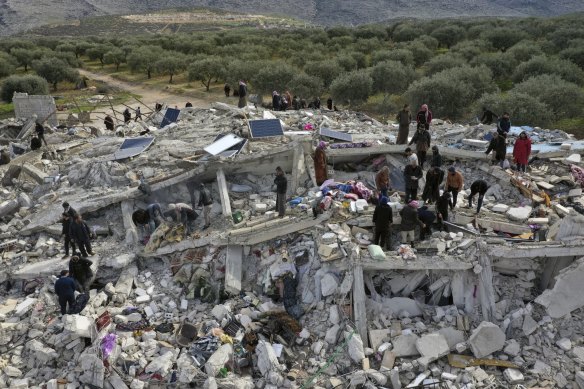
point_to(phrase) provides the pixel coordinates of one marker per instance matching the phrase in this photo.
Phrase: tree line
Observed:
(533, 68)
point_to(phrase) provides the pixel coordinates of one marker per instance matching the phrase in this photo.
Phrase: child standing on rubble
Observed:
(281, 187)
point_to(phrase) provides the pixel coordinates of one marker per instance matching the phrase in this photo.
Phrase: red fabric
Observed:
(521, 150)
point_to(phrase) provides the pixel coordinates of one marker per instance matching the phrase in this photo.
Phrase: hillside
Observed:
(21, 15)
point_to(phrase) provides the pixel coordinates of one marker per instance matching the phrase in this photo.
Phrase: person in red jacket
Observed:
(521, 151)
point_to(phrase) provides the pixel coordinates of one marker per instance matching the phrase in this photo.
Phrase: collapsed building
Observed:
(294, 302)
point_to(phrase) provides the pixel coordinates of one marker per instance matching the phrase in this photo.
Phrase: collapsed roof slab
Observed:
(538, 250)
(449, 152)
(420, 263)
(47, 268)
(496, 225)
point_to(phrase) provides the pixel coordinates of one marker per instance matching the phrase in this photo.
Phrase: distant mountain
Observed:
(21, 15)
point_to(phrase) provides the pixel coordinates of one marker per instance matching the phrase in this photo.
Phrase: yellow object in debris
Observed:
(525, 235)
(226, 339)
(464, 361)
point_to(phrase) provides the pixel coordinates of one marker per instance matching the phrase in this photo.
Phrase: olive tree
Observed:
(205, 70)
(352, 87)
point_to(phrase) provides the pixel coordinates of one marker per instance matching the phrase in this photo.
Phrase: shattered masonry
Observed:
(215, 309)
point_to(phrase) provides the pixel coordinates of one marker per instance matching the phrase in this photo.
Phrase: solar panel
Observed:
(171, 116)
(222, 144)
(265, 127)
(336, 134)
(131, 147)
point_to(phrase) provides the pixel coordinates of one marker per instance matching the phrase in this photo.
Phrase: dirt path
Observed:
(149, 96)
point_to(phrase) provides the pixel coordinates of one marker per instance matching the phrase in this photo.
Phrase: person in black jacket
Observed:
(422, 140)
(442, 210)
(276, 99)
(65, 291)
(434, 178)
(81, 234)
(40, 131)
(383, 218)
(412, 173)
(35, 143)
(436, 157)
(66, 225)
(329, 103)
(488, 116)
(504, 125)
(80, 269)
(281, 187)
(427, 217)
(409, 220)
(205, 201)
(127, 116)
(480, 187)
(498, 145)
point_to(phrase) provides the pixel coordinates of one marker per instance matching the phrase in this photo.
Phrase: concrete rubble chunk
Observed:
(432, 346)
(405, 345)
(519, 214)
(267, 359)
(355, 348)
(79, 325)
(486, 339)
(328, 285)
(452, 336)
(529, 325)
(567, 293)
(513, 376)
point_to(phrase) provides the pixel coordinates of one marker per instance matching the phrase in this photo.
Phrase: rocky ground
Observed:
(296, 302)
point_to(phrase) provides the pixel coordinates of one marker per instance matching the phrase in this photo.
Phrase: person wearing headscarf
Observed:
(383, 218)
(404, 118)
(436, 157)
(276, 100)
(382, 180)
(422, 140)
(412, 175)
(242, 94)
(424, 116)
(320, 166)
(521, 151)
(409, 221)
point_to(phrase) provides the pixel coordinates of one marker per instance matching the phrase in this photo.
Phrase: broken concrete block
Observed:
(79, 325)
(513, 348)
(519, 213)
(529, 325)
(93, 370)
(267, 359)
(405, 345)
(388, 360)
(355, 348)
(328, 285)
(486, 339)
(432, 346)
(565, 344)
(332, 334)
(577, 192)
(573, 158)
(568, 292)
(513, 376)
(376, 337)
(538, 220)
(24, 306)
(580, 379)
(219, 358)
(12, 371)
(220, 311)
(334, 315)
(561, 210)
(500, 208)
(452, 336)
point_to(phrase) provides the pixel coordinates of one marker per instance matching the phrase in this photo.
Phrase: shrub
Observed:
(206, 69)
(536, 66)
(500, 64)
(524, 109)
(406, 32)
(524, 51)
(392, 77)
(404, 56)
(353, 87)
(503, 38)
(443, 62)
(274, 75)
(448, 34)
(326, 70)
(31, 84)
(574, 54)
(54, 70)
(305, 86)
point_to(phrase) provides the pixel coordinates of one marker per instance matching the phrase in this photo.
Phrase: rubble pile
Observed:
(494, 300)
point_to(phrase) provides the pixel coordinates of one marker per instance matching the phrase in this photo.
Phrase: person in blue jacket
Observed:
(65, 290)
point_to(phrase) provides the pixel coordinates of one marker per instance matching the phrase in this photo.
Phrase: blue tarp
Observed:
(171, 116)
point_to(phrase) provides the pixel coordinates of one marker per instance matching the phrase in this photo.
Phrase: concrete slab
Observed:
(233, 269)
(568, 292)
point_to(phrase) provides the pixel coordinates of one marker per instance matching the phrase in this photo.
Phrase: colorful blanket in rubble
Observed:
(351, 187)
(578, 174)
(355, 145)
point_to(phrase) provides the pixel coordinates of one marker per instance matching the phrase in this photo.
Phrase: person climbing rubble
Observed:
(109, 123)
(442, 210)
(40, 132)
(488, 116)
(409, 221)
(80, 270)
(81, 234)
(498, 147)
(434, 178)
(65, 291)
(66, 220)
(320, 165)
(127, 116)
(404, 118)
(427, 217)
(454, 184)
(422, 140)
(184, 214)
(382, 181)
(281, 188)
(521, 151)
(410, 156)
(205, 201)
(479, 187)
(412, 175)
(383, 219)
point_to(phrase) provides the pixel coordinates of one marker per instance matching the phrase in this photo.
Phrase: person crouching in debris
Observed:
(480, 187)
(434, 178)
(281, 187)
(412, 174)
(65, 291)
(127, 116)
(81, 234)
(154, 216)
(35, 143)
(109, 123)
(454, 184)
(410, 219)
(442, 210)
(185, 215)
(205, 201)
(66, 225)
(80, 270)
(320, 165)
(427, 217)
(383, 218)
(382, 181)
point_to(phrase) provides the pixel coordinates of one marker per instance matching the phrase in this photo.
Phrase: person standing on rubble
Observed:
(436, 157)
(422, 140)
(410, 156)
(329, 103)
(480, 187)
(320, 165)
(40, 131)
(66, 220)
(226, 89)
(382, 181)
(109, 123)
(427, 217)
(404, 118)
(424, 117)
(4, 157)
(434, 178)
(276, 100)
(412, 175)
(383, 218)
(138, 115)
(288, 97)
(65, 291)
(127, 115)
(454, 184)
(242, 94)
(521, 151)
(80, 270)
(81, 234)
(205, 201)
(488, 116)
(281, 187)
(409, 221)
(442, 210)
(504, 125)
(498, 145)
